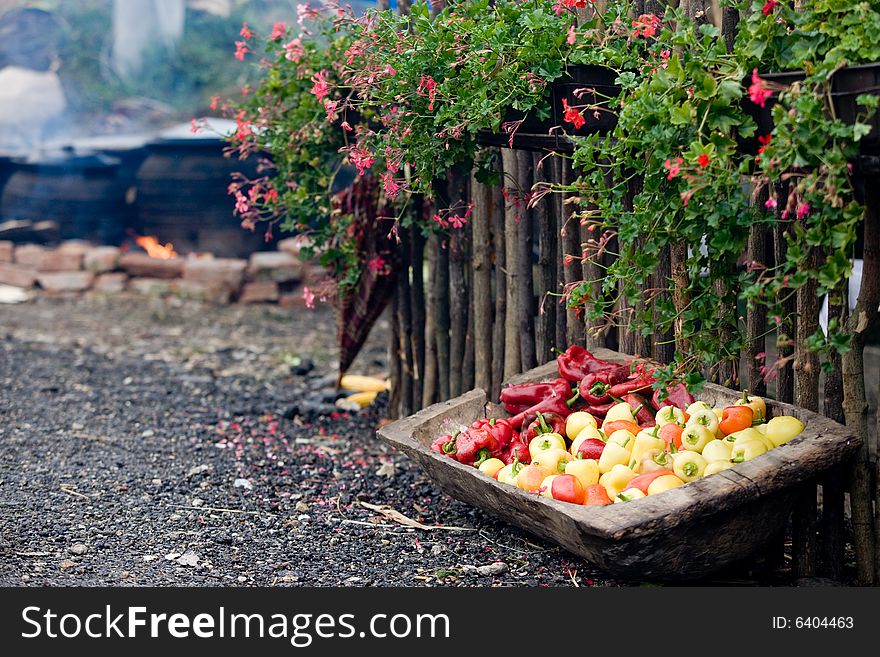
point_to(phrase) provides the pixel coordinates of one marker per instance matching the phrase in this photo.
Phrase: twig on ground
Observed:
(398, 517)
(223, 510)
(67, 490)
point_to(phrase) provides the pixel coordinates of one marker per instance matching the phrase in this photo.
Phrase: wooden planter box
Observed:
(535, 134)
(686, 533)
(846, 85)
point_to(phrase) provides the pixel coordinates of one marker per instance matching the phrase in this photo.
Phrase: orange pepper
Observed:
(614, 425)
(596, 495)
(671, 433)
(735, 418)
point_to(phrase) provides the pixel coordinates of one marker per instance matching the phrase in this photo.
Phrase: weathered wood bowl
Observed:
(685, 533)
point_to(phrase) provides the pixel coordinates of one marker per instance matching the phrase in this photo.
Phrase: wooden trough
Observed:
(685, 533)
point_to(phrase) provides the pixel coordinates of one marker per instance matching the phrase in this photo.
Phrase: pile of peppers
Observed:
(585, 383)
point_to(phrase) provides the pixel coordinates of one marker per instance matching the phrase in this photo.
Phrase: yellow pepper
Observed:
(586, 470)
(664, 483)
(615, 480)
(621, 411)
(491, 466)
(783, 428)
(746, 451)
(623, 438)
(629, 495)
(585, 434)
(655, 459)
(669, 414)
(612, 455)
(644, 442)
(577, 422)
(717, 450)
(748, 435)
(553, 459)
(688, 466)
(695, 437)
(716, 466)
(696, 407)
(507, 474)
(705, 418)
(545, 441)
(758, 406)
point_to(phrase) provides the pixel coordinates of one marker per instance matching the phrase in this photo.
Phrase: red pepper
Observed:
(521, 396)
(599, 410)
(556, 403)
(473, 446)
(642, 481)
(545, 423)
(517, 450)
(594, 386)
(591, 448)
(576, 362)
(641, 410)
(641, 383)
(678, 396)
(445, 445)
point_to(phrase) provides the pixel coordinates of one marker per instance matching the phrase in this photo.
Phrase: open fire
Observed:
(154, 248)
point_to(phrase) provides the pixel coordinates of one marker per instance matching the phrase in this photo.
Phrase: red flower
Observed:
(246, 31)
(759, 92)
(572, 115)
(428, 87)
(240, 50)
(646, 25)
(703, 160)
(320, 88)
(764, 140)
(377, 265)
(769, 6)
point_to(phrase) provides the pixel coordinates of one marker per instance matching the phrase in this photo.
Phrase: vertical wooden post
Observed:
(756, 318)
(404, 314)
(394, 361)
(512, 343)
(680, 296)
(417, 301)
(441, 315)
(785, 378)
(664, 342)
(430, 391)
(526, 296)
(467, 372)
(572, 269)
(499, 249)
(862, 319)
(482, 283)
(458, 296)
(558, 209)
(545, 328)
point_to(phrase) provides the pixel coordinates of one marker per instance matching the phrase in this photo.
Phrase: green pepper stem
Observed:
(738, 459)
(570, 402)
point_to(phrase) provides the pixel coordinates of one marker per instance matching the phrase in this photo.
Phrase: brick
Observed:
(17, 276)
(79, 247)
(100, 259)
(259, 292)
(215, 272)
(294, 245)
(62, 260)
(65, 281)
(143, 266)
(7, 251)
(110, 283)
(30, 256)
(150, 286)
(210, 292)
(277, 266)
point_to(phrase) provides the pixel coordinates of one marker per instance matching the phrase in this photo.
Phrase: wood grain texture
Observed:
(685, 533)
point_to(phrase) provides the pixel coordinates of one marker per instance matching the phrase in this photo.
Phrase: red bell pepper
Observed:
(517, 450)
(473, 446)
(677, 396)
(599, 410)
(521, 396)
(576, 362)
(591, 448)
(594, 386)
(445, 444)
(545, 423)
(641, 409)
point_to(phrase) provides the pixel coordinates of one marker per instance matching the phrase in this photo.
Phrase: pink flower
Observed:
(308, 297)
(457, 221)
(759, 92)
(803, 210)
(278, 30)
(321, 88)
(770, 203)
(195, 127)
(703, 160)
(572, 115)
(674, 168)
(392, 188)
(646, 26)
(241, 203)
(361, 158)
(245, 31)
(240, 50)
(215, 100)
(331, 106)
(769, 6)
(428, 87)
(571, 35)
(293, 50)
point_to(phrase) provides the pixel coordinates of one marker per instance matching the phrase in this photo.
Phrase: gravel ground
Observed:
(154, 443)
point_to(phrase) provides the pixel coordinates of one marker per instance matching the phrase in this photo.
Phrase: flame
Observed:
(155, 249)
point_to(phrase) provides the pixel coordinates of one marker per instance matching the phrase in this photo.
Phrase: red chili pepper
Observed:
(678, 396)
(641, 383)
(594, 386)
(521, 396)
(556, 403)
(576, 362)
(599, 410)
(641, 410)
(517, 450)
(545, 423)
